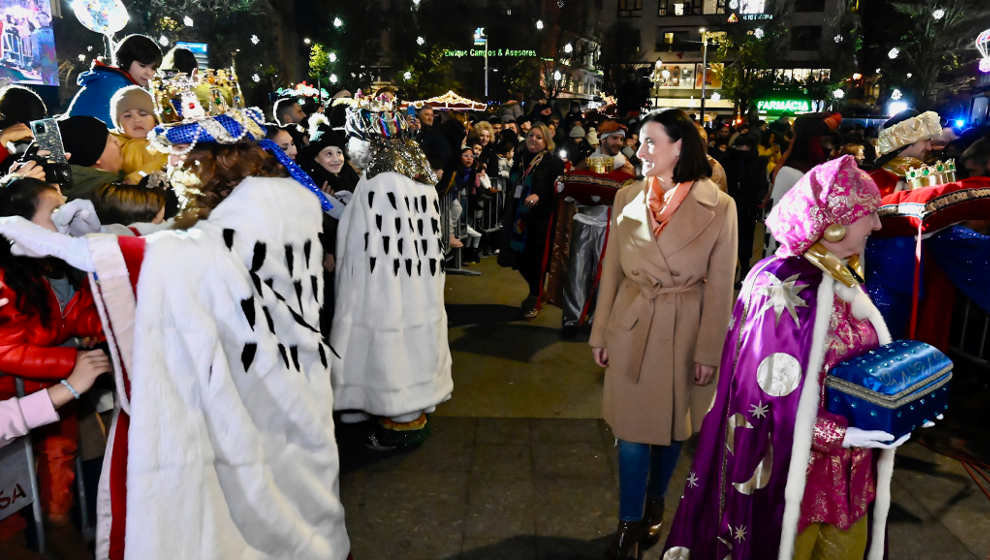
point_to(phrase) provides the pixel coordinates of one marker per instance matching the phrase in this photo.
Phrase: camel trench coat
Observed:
(663, 305)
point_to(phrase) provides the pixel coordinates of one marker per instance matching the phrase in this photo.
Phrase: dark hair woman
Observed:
(136, 60)
(33, 329)
(663, 304)
(528, 213)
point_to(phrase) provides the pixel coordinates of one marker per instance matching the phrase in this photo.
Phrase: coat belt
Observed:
(650, 293)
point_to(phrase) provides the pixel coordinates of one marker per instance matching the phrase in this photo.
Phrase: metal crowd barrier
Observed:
(19, 486)
(13, 49)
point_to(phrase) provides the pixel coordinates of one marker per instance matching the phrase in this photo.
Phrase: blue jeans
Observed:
(644, 470)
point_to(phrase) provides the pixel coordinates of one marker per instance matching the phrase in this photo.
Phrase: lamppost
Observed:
(481, 38)
(704, 68)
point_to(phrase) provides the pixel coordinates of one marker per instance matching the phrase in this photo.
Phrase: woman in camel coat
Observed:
(662, 312)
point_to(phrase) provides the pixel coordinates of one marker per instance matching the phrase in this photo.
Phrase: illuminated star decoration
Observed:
(692, 480)
(740, 533)
(255, 40)
(758, 410)
(783, 295)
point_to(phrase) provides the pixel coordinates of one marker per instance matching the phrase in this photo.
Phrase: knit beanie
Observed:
(84, 137)
(577, 131)
(130, 97)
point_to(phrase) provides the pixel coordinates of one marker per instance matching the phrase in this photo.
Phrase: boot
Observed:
(625, 543)
(653, 523)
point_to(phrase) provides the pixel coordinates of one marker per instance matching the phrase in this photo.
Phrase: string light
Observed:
(163, 41)
(337, 22)
(838, 39)
(539, 24)
(838, 94)
(255, 78)
(758, 33)
(188, 21)
(568, 48)
(938, 13)
(420, 41)
(407, 76)
(893, 53)
(333, 78)
(255, 40)
(332, 56)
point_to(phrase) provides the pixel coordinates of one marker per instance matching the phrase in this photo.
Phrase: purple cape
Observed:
(733, 501)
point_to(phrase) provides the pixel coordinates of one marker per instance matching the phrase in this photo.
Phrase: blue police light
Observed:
(960, 123)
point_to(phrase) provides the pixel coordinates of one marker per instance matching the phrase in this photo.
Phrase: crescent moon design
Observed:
(737, 420)
(761, 475)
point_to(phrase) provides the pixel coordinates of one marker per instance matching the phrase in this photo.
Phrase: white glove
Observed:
(878, 439)
(77, 218)
(31, 240)
(619, 160)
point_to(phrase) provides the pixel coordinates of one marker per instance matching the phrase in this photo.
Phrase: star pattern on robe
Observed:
(692, 480)
(758, 410)
(739, 533)
(781, 295)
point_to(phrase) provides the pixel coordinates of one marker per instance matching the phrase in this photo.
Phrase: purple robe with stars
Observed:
(734, 497)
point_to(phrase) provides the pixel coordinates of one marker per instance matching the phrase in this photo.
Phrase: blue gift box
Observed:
(894, 388)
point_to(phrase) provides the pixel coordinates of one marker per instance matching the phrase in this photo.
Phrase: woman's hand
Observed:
(89, 365)
(601, 356)
(15, 133)
(703, 375)
(532, 200)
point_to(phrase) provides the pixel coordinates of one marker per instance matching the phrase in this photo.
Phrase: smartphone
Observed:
(48, 138)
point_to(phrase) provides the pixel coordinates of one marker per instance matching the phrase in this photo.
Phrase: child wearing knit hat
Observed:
(133, 113)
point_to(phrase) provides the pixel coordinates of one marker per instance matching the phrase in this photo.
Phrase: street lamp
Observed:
(481, 38)
(704, 67)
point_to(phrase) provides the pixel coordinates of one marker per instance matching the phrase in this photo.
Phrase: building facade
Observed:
(665, 41)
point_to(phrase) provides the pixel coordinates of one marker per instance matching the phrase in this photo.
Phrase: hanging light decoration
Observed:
(568, 48)
(420, 41)
(758, 33)
(983, 45)
(187, 21)
(255, 78)
(333, 78)
(337, 22)
(407, 75)
(893, 53)
(539, 24)
(838, 94)
(163, 41)
(332, 56)
(896, 94)
(938, 13)
(255, 40)
(838, 39)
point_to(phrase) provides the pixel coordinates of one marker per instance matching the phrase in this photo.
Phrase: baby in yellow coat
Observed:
(133, 113)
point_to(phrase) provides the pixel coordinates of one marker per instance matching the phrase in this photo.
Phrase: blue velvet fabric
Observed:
(963, 254)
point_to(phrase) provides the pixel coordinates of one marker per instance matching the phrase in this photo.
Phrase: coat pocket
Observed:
(625, 341)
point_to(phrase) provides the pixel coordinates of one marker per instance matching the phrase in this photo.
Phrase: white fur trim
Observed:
(885, 464)
(804, 423)
(115, 304)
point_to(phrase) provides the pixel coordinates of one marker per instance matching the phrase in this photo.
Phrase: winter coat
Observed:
(663, 305)
(30, 349)
(98, 86)
(85, 181)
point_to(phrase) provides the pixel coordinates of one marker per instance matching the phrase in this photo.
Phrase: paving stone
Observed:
(411, 516)
(513, 462)
(575, 509)
(571, 460)
(514, 548)
(911, 530)
(500, 511)
(503, 430)
(567, 431)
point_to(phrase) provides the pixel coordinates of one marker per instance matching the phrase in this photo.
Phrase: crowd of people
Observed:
(317, 243)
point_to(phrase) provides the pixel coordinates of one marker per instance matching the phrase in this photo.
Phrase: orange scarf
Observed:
(661, 212)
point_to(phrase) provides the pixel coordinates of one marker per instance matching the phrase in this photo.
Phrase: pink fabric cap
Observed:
(835, 192)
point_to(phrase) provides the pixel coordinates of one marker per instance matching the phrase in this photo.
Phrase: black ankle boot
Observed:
(652, 523)
(625, 543)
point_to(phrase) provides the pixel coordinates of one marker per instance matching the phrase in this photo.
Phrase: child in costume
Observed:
(775, 474)
(133, 113)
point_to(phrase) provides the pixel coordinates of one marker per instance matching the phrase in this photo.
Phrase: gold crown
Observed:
(930, 175)
(207, 92)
